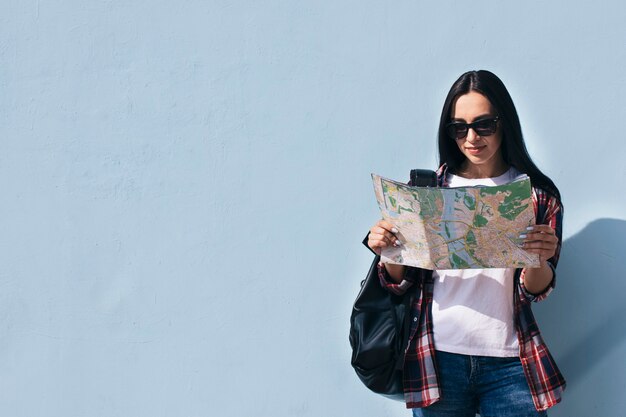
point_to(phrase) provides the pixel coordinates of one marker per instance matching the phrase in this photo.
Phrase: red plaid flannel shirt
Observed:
(421, 385)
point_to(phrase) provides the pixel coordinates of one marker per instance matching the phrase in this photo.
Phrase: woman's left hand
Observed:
(541, 240)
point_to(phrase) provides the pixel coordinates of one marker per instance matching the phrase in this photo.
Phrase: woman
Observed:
(476, 347)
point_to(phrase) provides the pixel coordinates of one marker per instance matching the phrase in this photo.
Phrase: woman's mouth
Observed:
(475, 150)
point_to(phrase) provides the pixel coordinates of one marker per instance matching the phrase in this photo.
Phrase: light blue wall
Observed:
(185, 186)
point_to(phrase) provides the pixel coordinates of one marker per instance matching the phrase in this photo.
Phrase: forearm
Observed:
(536, 280)
(395, 272)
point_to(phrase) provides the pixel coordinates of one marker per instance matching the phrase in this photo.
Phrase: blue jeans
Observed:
(493, 387)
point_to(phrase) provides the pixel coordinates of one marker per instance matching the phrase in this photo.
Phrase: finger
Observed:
(391, 241)
(540, 237)
(542, 251)
(380, 241)
(387, 226)
(540, 229)
(531, 240)
(544, 234)
(378, 246)
(392, 238)
(383, 234)
(539, 245)
(382, 228)
(387, 239)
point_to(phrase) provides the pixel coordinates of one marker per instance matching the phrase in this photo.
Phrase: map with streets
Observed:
(457, 228)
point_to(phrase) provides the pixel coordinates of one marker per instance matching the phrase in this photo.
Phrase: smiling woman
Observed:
(474, 118)
(456, 341)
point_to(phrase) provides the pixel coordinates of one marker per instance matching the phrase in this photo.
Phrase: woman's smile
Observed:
(475, 150)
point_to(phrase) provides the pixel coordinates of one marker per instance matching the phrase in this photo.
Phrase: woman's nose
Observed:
(472, 136)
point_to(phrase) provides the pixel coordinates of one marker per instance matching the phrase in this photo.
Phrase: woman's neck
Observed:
(473, 171)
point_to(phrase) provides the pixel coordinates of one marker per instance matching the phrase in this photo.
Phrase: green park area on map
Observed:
(457, 228)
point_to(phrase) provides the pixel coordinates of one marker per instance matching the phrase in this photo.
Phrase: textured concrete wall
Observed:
(185, 186)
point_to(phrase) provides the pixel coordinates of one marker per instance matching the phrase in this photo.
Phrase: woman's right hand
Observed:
(382, 235)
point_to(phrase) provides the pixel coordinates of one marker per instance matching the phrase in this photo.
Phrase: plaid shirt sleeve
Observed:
(549, 211)
(544, 378)
(398, 289)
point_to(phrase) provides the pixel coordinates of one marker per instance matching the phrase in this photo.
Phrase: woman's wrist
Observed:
(395, 272)
(536, 280)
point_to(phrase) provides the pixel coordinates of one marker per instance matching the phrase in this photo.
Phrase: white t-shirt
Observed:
(473, 308)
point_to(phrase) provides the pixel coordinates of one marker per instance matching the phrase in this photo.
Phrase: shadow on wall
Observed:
(584, 320)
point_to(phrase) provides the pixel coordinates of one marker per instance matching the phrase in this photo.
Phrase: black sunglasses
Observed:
(483, 127)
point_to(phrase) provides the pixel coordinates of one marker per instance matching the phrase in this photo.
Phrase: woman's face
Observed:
(481, 151)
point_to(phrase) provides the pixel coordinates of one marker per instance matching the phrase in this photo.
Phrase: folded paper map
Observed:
(457, 228)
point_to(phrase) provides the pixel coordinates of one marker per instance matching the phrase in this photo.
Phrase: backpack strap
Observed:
(423, 178)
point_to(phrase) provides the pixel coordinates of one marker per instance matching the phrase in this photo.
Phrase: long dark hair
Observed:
(513, 148)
